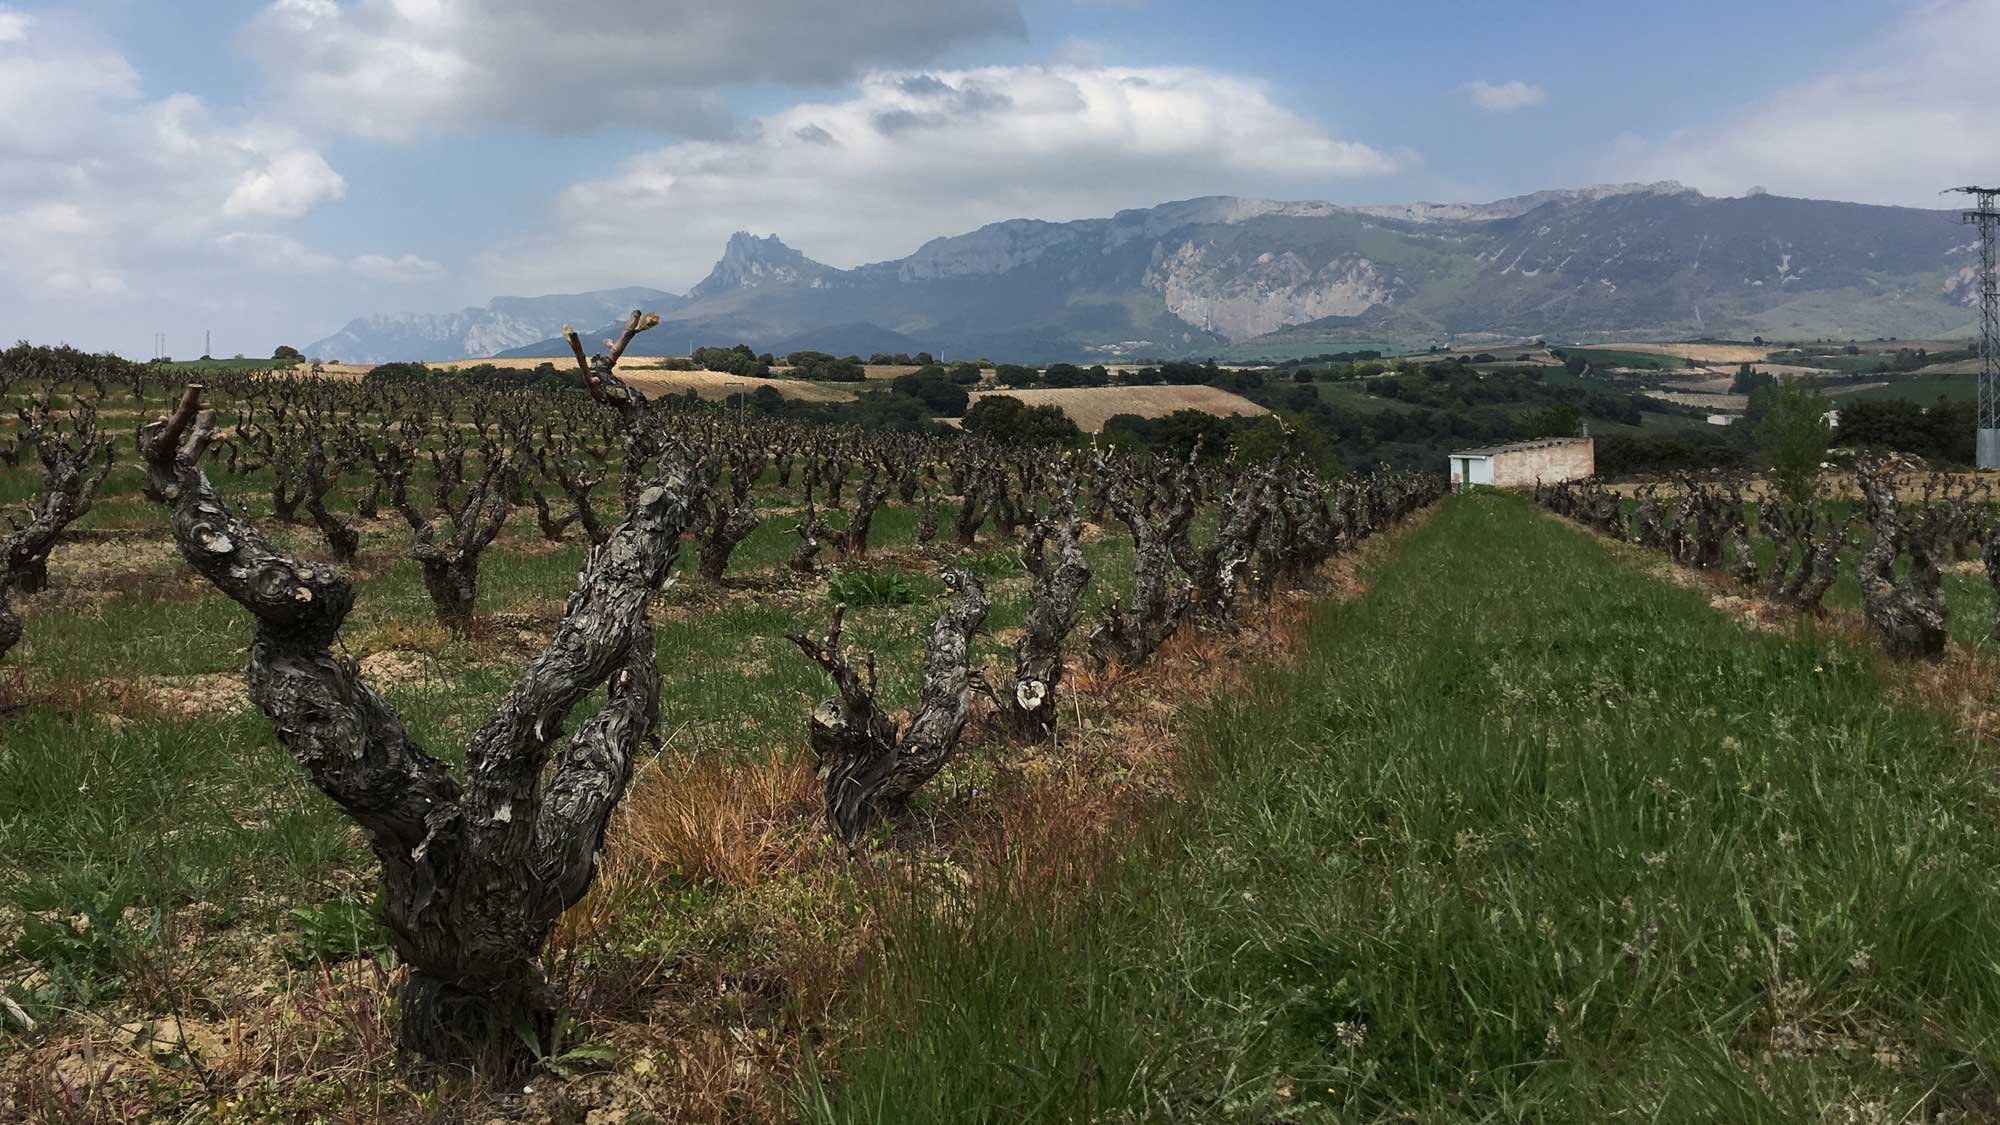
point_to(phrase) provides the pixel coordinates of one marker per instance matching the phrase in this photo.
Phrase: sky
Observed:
(266, 170)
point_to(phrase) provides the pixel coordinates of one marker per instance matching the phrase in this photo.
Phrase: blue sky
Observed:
(268, 169)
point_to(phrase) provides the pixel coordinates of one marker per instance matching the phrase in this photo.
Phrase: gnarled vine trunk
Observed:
(867, 767)
(1908, 612)
(75, 459)
(475, 868)
(1029, 708)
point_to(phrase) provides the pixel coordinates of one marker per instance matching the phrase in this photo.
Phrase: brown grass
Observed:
(1700, 353)
(714, 385)
(720, 823)
(1090, 407)
(645, 374)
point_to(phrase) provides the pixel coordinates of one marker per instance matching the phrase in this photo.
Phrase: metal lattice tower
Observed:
(1984, 216)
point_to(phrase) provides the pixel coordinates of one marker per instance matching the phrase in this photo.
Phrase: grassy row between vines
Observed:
(1526, 835)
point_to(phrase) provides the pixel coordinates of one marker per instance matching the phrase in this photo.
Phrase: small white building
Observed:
(1524, 464)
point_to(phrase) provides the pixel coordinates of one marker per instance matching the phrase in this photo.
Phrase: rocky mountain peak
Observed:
(748, 262)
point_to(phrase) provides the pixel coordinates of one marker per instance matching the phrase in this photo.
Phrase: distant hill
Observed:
(1247, 278)
(504, 323)
(863, 340)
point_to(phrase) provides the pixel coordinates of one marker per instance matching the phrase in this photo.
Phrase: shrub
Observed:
(738, 360)
(824, 368)
(899, 413)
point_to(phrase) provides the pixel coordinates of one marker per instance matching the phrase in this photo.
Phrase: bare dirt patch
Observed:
(94, 560)
(195, 696)
(401, 667)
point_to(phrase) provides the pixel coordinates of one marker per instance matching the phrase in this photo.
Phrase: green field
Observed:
(1613, 357)
(1298, 346)
(1923, 390)
(1527, 836)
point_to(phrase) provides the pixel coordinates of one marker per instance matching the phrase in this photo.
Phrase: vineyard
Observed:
(1905, 547)
(580, 732)
(410, 749)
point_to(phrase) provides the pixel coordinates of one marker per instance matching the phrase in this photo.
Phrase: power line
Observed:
(1984, 216)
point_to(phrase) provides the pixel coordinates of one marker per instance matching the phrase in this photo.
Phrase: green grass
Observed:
(1526, 837)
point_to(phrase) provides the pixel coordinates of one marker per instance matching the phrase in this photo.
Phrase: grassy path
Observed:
(1526, 836)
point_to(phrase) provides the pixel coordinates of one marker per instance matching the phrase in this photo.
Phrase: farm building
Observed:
(1523, 464)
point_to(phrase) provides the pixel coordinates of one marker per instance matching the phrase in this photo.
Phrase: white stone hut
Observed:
(1524, 464)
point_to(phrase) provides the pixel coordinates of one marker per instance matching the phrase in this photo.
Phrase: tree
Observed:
(822, 367)
(1558, 419)
(932, 387)
(1177, 435)
(1007, 420)
(1068, 375)
(1944, 432)
(286, 351)
(737, 360)
(893, 412)
(1014, 375)
(1792, 437)
(1748, 379)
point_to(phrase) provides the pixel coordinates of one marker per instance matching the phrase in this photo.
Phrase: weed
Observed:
(337, 931)
(870, 588)
(90, 956)
(994, 564)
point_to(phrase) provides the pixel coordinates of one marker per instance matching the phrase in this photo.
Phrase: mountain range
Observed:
(1251, 278)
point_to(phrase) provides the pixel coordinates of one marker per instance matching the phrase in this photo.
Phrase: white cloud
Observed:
(397, 69)
(1078, 51)
(913, 155)
(292, 184)
(1504, 97)
(400, 270)
(280, 253)
(120, 215)
(1892, 124)
(275, 252)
